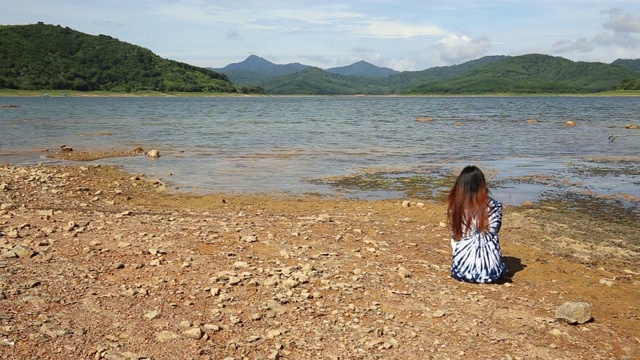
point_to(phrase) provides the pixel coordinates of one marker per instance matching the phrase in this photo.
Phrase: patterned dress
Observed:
(477, 256)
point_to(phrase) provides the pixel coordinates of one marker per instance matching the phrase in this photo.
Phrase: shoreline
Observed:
(8, 93)
(114, 265)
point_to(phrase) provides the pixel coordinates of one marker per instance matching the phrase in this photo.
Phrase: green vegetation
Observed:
(527, 74)
(633, 84)
(51, 57)
(531, 74)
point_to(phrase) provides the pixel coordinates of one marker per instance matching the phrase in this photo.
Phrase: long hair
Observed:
(468, 201)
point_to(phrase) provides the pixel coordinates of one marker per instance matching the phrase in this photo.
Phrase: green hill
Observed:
(633, 64)
(315, 81)
(43, 56)
(533, 73)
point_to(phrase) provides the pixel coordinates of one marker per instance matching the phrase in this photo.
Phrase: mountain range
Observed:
(531, 73)
(41, 57)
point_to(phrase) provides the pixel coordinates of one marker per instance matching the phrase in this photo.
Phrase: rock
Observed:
(570, 123)
(195, 333)
(249, 239)
(23, 251)
(406, 203)
(555, 332)
(166, 336)
(404, 273)
(532, 121)
(152, 315)
(607, 282)
(8, 254)
(437, 314)
(153, 153)
(574, 312)
(45, 213)
(423, 119)
(6, 206)
(632, 126)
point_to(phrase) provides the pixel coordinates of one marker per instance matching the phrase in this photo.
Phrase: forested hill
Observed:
(534, 73)
(44, 56)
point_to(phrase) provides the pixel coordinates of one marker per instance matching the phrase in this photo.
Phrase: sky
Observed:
(407, 35)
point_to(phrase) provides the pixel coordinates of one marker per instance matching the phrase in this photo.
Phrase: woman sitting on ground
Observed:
(475, 219)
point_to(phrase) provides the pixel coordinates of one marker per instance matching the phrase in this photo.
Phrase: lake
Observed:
(301, 144)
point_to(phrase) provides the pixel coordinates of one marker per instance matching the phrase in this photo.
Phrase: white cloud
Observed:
(453, 48)
(620, 21)
(622, 25)
(387, 29)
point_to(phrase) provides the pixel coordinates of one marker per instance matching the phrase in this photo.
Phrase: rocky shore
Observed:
(99, 264)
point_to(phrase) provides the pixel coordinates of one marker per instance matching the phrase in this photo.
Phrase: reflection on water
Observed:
(264, 144)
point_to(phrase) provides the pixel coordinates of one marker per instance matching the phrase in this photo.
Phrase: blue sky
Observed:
(402, 35)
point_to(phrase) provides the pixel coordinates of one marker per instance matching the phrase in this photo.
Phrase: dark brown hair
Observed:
(468, 200)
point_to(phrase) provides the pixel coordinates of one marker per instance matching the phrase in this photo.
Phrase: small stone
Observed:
(9, 254)
(166, 336)
(253, 338)
(45, 213)
(6, 206)
(404, 273)
(195, 333)
(23, 251)
(155, 262)
(607, 282)
(555, 332)
(249, 239)
(152, 315)
(442, 224)
(185, 324)
(240, 265)
(437, 314)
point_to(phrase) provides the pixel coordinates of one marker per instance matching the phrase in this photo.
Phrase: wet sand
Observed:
(102, 264)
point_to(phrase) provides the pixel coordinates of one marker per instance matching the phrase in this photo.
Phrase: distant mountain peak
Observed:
(362, 68)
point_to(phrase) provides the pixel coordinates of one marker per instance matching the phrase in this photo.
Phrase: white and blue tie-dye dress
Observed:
(477, 256)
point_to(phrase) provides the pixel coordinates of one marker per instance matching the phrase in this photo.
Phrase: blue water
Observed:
(265, 144)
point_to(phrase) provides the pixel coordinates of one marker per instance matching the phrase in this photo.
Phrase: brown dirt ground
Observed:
(121, 268)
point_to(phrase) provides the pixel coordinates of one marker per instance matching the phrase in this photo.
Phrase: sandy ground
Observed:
(98, 264)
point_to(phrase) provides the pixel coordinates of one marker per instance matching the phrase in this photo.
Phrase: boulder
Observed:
(153, 153)
(574, 312)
